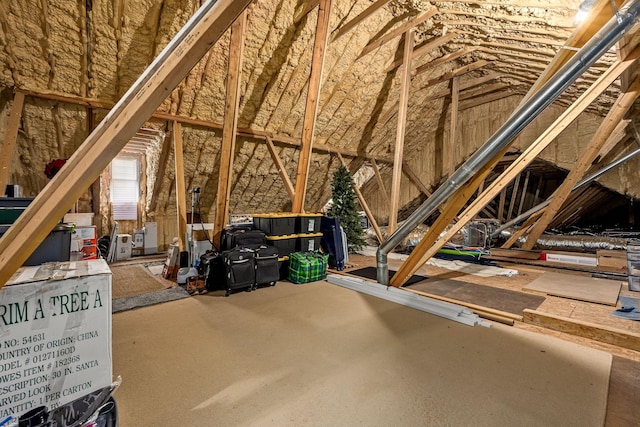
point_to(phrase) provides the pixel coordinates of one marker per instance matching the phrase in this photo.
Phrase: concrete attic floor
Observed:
(319, 354)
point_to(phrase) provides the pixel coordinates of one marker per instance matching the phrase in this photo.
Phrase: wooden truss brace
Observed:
(311, 107)
(282, 171)
(381, 187)
(311, 4)
(402, 121)
(413, 177)
(162, 166)
(365, 206)
(433, 241)
(228, 145)
(450, 151)
(427, 47)
(616, 114)
(181, 190)
(397, 32)
(457, 72)
(106, 141)
(10, 137)
(358, 19)
(443, 59)
(466, 85)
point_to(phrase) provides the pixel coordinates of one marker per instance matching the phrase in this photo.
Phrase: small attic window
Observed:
(125, 188)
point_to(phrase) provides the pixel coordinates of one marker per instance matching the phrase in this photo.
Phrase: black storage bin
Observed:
(284, 244)
(308, 223)
(56, 247)
(275, 224)
(332, 242)
(309, 242)
(12, 207)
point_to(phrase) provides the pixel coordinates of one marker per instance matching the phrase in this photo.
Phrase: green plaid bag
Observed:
(307, 267)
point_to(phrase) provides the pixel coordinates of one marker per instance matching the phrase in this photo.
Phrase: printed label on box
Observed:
(55, 341)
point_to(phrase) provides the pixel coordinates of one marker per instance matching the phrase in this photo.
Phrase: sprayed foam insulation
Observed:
(98, 49)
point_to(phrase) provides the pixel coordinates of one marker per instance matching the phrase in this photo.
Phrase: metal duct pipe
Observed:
(524, 114)
(585, 181)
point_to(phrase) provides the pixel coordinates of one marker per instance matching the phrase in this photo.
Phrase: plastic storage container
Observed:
(275, 224)
(12, 207)
(308, 223)
(309, 242)
(56, 247)
(284, 244)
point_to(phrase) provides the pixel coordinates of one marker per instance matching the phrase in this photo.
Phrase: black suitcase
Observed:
(332, 241)
(241, 237)
(267, 266)
(231, 270)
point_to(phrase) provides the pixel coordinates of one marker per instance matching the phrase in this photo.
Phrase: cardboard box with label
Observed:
(55, 335)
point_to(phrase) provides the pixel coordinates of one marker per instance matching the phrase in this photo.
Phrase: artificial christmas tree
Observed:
(344, 207)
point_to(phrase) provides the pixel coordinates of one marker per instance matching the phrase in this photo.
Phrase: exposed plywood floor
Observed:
(578, 310)
(319, 354)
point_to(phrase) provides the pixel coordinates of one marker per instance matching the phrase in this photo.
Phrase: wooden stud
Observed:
(397, 32)
(162, 167)
(311, 107)
(181, 191)
(106, 141)
(381, 187)
(228, 144)
(524, 193)
(358, 19)
(503, 196)
(402, 119)
(514, 193)
(365, 206)
(616, 114)
(427, 47)
(282, 171)
(453, 128)
(10, 136)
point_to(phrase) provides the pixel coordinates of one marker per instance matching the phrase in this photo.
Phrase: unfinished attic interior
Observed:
(502, 131)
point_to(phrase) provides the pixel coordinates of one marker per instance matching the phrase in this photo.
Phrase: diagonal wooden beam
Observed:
(122, 122)
(10, 136)
(533, 151)
(442, 60)
(397, 32)
(618, 134)
(311, 4)
(181, 190)
(228, 144)
(413, 177)
(358, 19)
(365, 206)
(282, 171)
(514, 193)
(403, 103)
(457, 72)
(427, 47)
(381, 186)
(311, 107)
(464, 86)
(616, 114)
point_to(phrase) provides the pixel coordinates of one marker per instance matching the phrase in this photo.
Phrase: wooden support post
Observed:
(181, 190)
(514, 194)
(524, 193)
(228, 145)
(311, 107)
(162, 167)
(616, 114)
(282, 171)
(402, 121)
(122, 122)
(365, 206)
(381, 186)
(10, 136)
(451, 145)
(503, 196)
